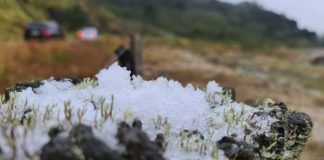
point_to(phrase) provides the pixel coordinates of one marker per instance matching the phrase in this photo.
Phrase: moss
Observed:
(288, 135)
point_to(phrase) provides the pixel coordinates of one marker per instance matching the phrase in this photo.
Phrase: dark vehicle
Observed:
(43, 31)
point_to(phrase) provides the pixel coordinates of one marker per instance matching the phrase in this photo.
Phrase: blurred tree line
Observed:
(247, 24)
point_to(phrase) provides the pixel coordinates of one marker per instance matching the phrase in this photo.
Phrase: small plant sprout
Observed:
(226, 116)
(213, 124)
(81, 113)
(58, 115)
(159, 122)
(218, 98)
(111, 107)
(12, 99)
(106, 110)
(68, 111)
(30, 120)
(226, 98)
(103, 108)
(48, 113)
(13, 118)
(266, 103)
(87, 82)
(233, 118)
(2, 98)
(167, 130)
(211, 99)
(9, 135)
(128, 115)
(92, 101)
(242, 115)
(194, 141)
(205, 143)
(95, 120)
(214, 152)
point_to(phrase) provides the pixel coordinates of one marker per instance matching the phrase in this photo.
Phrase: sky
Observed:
(309, 14)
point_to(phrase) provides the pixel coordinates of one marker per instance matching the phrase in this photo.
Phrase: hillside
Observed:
(247, 24)
(15, 14)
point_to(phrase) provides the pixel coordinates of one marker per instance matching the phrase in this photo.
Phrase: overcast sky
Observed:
(308, 13)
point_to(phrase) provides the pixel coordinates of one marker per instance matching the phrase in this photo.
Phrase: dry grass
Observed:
(22, 61)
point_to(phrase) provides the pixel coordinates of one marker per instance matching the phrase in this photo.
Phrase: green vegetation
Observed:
(246, 24)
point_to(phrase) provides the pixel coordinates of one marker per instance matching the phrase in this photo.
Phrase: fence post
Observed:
(136, 49)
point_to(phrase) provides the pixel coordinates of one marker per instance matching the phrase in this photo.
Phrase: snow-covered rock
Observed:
(65, 117)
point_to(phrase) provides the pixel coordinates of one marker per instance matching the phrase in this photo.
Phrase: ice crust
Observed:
(182, 107)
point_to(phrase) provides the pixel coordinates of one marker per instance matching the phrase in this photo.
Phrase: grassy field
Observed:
(21, 61)
(284, 75)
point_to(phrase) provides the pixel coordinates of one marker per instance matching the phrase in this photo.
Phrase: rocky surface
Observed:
(288, 135)
(319, 61)
(137, 143)
(79, 144)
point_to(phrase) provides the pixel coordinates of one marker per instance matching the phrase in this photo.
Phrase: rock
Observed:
(92, 148)
(79, 145)
(299, 130)
(36, 84)
(286, 139)
(160, 142)
(73, 80)
(55, 131)
(20, 87)
(238, 150)
(137, 124)
(230, 91)
(25, 118)
(138, 145)
(318, 61)
(289, 134)
(192, 133)
(1, 152)
(59, 148)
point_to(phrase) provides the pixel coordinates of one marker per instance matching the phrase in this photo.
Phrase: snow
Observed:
(181, 107)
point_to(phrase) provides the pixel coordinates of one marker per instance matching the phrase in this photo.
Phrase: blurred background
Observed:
(262, 48)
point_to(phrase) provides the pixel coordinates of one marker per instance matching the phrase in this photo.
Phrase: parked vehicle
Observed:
(43, 31)
(88, 33)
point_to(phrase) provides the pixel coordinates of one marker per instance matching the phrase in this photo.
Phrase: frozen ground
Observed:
(192, 120)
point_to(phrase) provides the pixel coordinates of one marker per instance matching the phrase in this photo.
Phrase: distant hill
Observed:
(247, 23)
